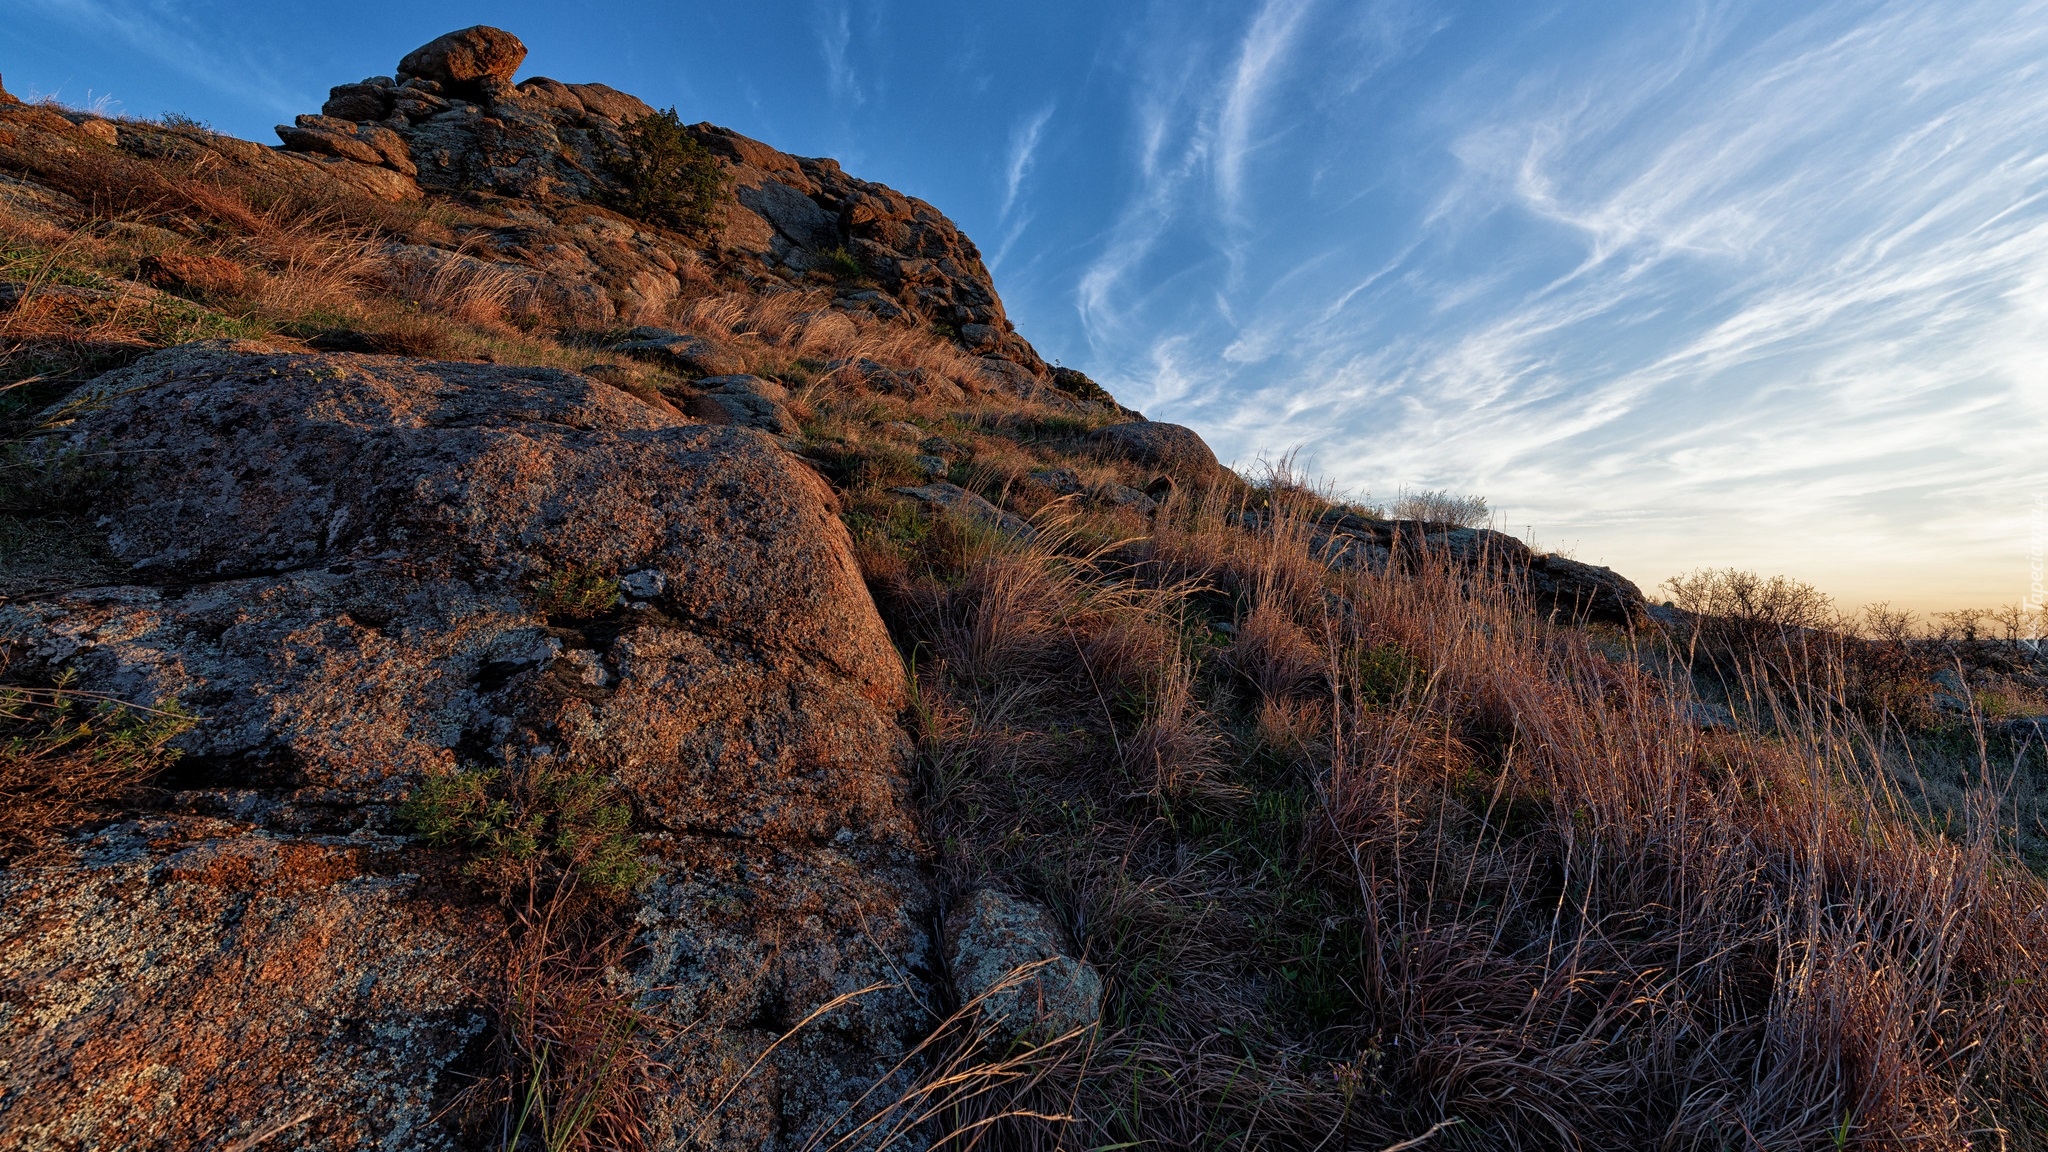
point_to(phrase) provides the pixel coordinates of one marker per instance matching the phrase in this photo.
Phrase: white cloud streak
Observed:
(1781, 302)
(1263, 53)
(835, 43)
(1023, 148)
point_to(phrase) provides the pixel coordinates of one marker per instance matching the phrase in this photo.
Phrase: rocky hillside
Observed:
(531, 624)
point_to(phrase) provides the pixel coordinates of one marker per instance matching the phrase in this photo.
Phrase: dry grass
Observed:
(571, 1045)
(67, 756)
(776, 329)
(1400, 858)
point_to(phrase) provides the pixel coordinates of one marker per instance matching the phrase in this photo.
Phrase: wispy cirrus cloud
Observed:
(1023, 149)
(835, 44)
(1263, 53)
(1649, 292)
(1023, 152)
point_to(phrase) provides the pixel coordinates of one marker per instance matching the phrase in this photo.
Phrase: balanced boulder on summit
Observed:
(473, 60)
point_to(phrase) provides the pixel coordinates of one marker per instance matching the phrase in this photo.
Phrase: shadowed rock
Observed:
(1578, 591)
(744, 401)
(1571, 590)
(959, 501)
(1173, 449)
(692, 354)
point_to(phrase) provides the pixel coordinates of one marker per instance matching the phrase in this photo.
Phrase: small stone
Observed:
(743, 410)
(645, 584)
(746, 386)
(1006, 953)
(691, 354)
(1124, 496)
(1064, 481)
(932, 465)
(587, 667)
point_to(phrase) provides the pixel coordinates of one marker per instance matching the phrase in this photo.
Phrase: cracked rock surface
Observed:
(333, 561)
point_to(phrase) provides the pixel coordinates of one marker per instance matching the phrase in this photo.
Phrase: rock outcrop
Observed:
(1571, 591)
(1173, 449)
(466, 61)
(334, 562)
(453, 120)
(371, 577)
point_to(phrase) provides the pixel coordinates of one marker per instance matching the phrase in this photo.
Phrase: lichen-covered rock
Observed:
(1006, 954)
(950, 497)
(738, 944)
(744, 401)
(183, 982)
(337, 562)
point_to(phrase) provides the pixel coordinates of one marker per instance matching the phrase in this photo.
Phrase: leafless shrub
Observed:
(1743, 622)
(1435, 506)
(2015, 623)
(1963, 624)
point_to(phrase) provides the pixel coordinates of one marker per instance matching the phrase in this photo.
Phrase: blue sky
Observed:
(1671, 284)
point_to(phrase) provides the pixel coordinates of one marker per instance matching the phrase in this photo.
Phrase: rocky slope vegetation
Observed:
(530, 624)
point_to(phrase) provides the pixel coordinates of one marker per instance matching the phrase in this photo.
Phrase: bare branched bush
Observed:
(1742, 622)
(1435, 506)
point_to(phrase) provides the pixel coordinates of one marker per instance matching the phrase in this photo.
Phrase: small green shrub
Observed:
(894, 523)
(844, 266)
(529, 828)
(664, 176)
(576, 593)
(1383, 674)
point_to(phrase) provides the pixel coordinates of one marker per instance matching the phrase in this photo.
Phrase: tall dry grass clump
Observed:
(1396, 857)
(804, 324)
